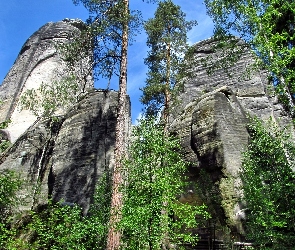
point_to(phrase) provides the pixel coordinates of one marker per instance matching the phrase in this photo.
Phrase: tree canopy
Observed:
(267, 26)
(167, 40)
(154, 182)
(269, 188)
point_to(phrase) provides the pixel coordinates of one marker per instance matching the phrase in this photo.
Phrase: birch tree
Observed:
(268, 185)
(154, 182)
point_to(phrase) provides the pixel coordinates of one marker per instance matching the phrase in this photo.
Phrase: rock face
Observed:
(38, 62)
(64, 158)
(67, 157)
(212, 127)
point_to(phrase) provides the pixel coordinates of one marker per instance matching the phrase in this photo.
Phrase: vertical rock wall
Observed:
(38, 62)
(61, 159)
(64, 159)
(212, 125)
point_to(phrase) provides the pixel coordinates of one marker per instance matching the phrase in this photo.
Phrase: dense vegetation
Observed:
(167, 222)
(152, 216)
(55, 226)
(269, 186)
(140, 209)
(267, 27)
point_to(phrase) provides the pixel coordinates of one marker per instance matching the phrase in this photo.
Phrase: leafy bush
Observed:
(9, 185)
(269, 186)
(58, 225)
(152, 216)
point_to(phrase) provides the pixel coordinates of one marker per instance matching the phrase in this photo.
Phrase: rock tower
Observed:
(38, 62)
(61, 159)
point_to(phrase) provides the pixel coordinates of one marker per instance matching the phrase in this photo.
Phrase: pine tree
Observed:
(113, 20)
(114, 236)
(167, 40)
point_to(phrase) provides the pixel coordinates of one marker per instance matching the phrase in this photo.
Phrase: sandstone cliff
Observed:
(66, 157)
(38, 62)
(212, 127)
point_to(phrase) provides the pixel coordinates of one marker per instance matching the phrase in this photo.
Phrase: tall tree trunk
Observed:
(167, 88)
(114, 236)
(165, 241)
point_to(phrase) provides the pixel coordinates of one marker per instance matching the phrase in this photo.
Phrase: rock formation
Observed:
(38, 62)
(61, 158)
(212, 127)
(66, 157)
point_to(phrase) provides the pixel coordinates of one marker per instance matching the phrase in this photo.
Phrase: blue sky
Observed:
(20, 19)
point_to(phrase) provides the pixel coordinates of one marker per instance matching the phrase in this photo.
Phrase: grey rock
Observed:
(212, 127)
(64, 159)
(38, 62)
(84, 149)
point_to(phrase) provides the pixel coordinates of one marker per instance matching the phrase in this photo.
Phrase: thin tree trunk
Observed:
(167, 89)
(165, 241)
(114, 236)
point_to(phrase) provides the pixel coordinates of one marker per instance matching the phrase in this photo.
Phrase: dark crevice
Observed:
(209, 51)
(24, 48)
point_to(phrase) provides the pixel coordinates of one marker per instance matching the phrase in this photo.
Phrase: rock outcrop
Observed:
(60, 158)
(212, 125)
(63, 158)
(38, 62)
(66, 158)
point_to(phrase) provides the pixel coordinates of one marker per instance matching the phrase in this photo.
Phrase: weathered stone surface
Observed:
(212, 127)
(38, 62)
(67, 157)
(84, 148)
(60, 159)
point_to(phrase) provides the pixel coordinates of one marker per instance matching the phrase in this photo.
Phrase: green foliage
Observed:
(77, 55)
(4, 124)
(9, 185)
(4, 143)
(58, 225)
(167, 40)
(105, 26)
(269, 186)
(50, 98)
(155, 178)
(267, 26)
(64, 227)
(53, 228)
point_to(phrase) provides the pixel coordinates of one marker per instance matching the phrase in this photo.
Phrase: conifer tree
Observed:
(167, 40)
(113, 20)
(114, 236)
